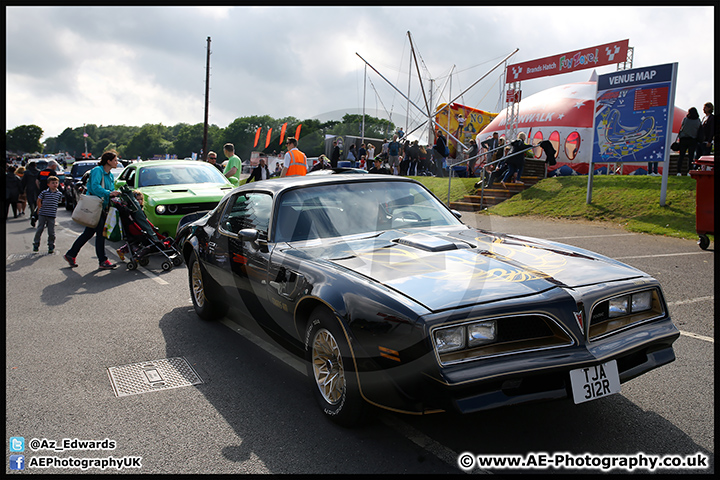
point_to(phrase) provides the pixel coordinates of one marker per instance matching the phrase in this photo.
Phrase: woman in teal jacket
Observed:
(100, 184)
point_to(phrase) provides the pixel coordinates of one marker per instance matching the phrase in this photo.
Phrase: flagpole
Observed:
(362, 135)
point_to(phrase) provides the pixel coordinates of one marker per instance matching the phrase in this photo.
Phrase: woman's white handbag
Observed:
(88, 210)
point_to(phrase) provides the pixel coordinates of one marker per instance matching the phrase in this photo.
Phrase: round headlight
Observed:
(172, 209)
(160, 209)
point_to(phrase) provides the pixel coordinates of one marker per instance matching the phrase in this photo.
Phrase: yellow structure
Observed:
(463, 128)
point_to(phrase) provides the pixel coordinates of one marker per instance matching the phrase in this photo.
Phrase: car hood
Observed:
(187, 193)
(454, 268)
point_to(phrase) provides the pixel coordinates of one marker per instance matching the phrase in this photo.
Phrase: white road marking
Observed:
(699, 337)
(594, 236)
(692, 300)
(440, 451)
(281, 355)
(660, 255)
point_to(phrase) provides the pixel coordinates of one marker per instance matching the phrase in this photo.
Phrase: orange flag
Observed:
(282, 132)
(297, 132)
(257, 136)
(267, 140)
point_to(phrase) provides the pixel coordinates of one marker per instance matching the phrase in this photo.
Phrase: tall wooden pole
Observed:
(207, 102)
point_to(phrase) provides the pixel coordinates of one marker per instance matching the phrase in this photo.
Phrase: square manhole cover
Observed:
(151, 376)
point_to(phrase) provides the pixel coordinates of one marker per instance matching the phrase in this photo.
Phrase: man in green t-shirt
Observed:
(234, 165)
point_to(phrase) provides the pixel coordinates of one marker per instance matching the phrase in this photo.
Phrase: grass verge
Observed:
(628, 200)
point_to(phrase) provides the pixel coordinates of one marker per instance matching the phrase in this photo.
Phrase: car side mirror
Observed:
(456, 213)
(248, 234)
(234, 181)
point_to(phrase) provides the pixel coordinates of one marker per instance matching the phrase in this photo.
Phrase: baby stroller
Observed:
(141, 237)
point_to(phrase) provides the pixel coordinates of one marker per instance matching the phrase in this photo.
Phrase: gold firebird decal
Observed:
(460, 265)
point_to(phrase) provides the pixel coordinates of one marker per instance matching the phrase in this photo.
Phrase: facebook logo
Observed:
(17, 444)
(17, 462)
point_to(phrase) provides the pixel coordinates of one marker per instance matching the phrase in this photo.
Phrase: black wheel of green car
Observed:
(207, 307)
(332, 370)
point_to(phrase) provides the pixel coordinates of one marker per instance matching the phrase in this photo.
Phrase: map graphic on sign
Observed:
(616, 140)
(633, 115)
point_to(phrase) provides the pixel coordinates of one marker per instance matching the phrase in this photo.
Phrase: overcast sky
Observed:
(69, 66)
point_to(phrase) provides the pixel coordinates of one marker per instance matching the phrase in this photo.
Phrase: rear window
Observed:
(79, 170)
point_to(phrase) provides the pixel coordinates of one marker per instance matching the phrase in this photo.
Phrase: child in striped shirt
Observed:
(47, 204)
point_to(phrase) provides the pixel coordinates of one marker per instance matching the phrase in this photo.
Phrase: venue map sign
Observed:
(633, 118)
(633, 114)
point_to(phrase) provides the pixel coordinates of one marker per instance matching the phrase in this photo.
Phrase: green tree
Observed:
(188, 140)
(148, 142)
(24, 139)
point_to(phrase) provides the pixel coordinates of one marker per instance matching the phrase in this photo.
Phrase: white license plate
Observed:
(594, 382)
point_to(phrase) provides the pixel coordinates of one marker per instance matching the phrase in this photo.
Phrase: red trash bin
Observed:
(704, 199)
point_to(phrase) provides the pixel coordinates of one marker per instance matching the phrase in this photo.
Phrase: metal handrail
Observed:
(482, 187)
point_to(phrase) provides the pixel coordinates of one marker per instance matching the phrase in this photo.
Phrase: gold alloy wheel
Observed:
(327, 367)
(198, 290)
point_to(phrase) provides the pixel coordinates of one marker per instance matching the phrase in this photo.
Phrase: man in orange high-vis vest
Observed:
(295, 160)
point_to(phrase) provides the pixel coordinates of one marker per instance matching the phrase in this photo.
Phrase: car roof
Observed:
(276, 185)
(156, 163)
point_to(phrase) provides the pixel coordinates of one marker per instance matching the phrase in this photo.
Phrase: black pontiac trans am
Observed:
(394, 302)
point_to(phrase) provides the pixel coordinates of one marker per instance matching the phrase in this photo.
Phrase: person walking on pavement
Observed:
(12, 191)
(29, 185)
(47, 204)
(100, 184)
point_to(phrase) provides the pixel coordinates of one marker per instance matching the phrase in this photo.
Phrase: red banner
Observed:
(267, 140)
(282, 132)
(257, 137)
(591, 57)
(297, 132)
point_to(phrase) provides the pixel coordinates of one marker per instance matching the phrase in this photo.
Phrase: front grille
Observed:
(185, 208)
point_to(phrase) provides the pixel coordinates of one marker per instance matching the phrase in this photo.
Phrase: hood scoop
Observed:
(432, 243)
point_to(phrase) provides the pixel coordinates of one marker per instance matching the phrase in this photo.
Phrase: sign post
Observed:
(633, 119)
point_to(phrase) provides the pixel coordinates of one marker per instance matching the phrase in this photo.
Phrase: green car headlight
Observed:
(449, 339)
(160, 209)
(481, 333)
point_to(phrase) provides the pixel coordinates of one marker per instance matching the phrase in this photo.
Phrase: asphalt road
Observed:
(254, 412)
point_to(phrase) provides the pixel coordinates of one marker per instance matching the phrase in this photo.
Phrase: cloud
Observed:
(111, 65)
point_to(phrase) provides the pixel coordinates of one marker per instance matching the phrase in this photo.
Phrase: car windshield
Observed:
(333, 210)
(179, 174)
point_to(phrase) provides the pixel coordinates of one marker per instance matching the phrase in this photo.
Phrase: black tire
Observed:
(331, 370)
(132, 265)
(144, 261)
(167, 266)
(206, 307)
(704, 242)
